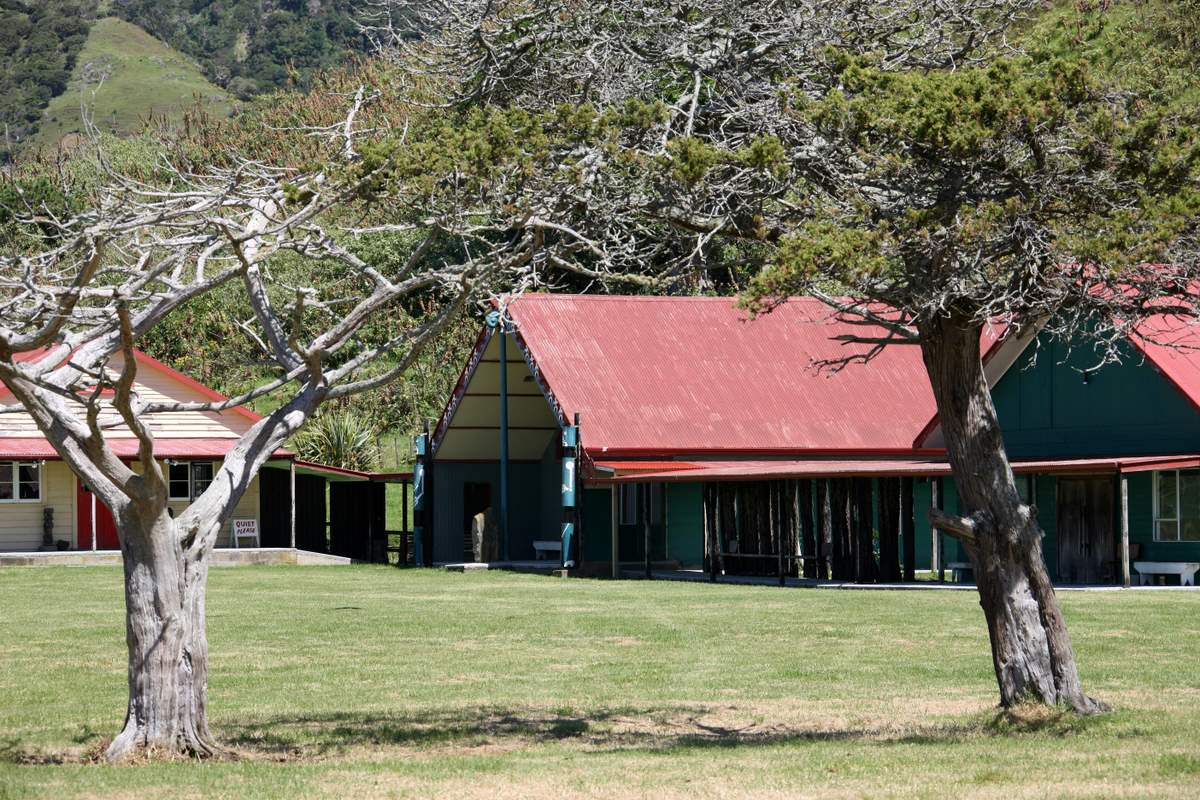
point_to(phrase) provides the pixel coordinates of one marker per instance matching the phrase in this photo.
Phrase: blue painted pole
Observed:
(503, 442)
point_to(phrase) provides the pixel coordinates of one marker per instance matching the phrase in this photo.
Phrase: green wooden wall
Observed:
(922, 501)
(684, 530)
(1048, 409)
(685, 523)
(597, 524)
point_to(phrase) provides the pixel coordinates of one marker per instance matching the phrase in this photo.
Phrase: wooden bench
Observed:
(1186, 570)
(542, 548)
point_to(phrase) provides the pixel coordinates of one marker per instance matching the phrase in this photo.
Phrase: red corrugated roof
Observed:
(126, 447)
(734, 470)
(696, 374)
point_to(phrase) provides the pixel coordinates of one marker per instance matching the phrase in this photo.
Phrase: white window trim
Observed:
(191, 496)
(16, 484)
(1178, 518)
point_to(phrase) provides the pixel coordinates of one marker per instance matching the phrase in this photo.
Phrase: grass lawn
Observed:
(375, 682)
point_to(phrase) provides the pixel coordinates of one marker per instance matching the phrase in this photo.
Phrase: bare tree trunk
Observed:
(165, 587)
(1031, 650)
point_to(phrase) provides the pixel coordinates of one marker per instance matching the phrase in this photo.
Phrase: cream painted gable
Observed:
(153, 384)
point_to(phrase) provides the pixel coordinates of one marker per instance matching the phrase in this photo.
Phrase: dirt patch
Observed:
(622, 641)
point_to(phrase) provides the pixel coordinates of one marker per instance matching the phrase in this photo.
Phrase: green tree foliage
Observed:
(341, 438)
(39, 40)
(252, 46)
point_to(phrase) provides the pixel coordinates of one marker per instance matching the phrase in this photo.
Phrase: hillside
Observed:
(125, 75)
(252, 46)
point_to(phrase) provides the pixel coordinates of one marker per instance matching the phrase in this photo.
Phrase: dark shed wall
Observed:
(356, 518)
(310, 514)
(275, 507)
(524, 506)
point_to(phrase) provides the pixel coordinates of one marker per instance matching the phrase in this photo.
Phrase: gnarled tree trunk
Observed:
(165, 584)
(1031, 650)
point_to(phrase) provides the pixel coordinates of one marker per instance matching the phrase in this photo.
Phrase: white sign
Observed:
(245, 529)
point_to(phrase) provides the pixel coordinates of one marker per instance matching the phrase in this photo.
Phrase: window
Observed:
(631, 501)
(1177, 506)
(20, 481)
(202, 476)
(177, 480)
(188, 480)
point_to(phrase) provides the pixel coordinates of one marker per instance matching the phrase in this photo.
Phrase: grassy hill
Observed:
(124, 75)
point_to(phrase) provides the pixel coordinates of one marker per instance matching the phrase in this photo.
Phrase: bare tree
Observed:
(902, 161)
(82, 292)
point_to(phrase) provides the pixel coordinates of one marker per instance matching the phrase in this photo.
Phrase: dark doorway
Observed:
(477, 497)
(639, 503)
(275, 507)
(1086, 545)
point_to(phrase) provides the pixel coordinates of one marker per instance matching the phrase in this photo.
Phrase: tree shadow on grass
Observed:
(658, 729)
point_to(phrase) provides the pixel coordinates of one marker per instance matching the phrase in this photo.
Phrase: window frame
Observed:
(16, 481)
(191, 479)
(1178, 518)
(186, 465)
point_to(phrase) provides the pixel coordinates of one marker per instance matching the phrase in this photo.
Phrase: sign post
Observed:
(245, 528)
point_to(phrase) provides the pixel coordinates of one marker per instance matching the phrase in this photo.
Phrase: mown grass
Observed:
(124, 76)
(376, 682)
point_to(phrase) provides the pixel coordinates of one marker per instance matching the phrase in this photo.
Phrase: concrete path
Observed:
(221, 557)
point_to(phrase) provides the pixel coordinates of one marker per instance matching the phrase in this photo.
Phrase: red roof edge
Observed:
(1165, 462)
(319, 467)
